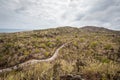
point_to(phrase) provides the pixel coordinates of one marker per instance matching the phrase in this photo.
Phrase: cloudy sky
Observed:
(39, 14)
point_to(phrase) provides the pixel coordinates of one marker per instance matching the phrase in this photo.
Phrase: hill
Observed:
(92, 53)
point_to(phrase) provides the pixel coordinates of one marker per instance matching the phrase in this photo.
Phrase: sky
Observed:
(42, 14)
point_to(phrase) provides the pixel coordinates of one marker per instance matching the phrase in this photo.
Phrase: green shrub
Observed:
(93, 44)
(108, 47)
(8, 45)
(1, 56)
(82, 39)
(75, 43)
(46, 54)
(49, 44)
(105, 60)
(43, 45)
(36, 44)
(58, 39)
(26, 52)
(37, 50)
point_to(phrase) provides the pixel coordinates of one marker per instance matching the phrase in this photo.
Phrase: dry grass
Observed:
(98, 51)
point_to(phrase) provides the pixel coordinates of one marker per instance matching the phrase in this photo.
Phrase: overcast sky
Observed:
(34, 14)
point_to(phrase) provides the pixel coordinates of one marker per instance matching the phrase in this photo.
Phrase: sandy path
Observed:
(34, 61)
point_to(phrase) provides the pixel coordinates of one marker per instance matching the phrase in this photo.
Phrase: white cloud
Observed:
(53, 13)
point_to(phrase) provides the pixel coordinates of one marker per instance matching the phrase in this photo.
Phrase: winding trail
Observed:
(34, 61)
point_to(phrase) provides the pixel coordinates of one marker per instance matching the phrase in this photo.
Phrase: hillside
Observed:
(91, 53)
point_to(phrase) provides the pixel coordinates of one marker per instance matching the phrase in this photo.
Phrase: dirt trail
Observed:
(33, 61)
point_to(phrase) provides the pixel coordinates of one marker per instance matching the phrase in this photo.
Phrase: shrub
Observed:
(1, 56)
(8, 45)
(37, 50)
(82, 39)
(26, 52)
(36, 44)
(108, 47)
(49, 44)
(75, 43)
(93, 44)
(43, 45)
(46, 54)
(105, 60)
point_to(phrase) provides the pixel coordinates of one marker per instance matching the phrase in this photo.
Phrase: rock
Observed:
(77, 77)
(71, 77)
(66, 77)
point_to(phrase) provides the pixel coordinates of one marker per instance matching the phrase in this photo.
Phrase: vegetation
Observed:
(91, 54)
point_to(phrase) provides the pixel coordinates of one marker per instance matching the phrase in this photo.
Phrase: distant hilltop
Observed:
(87, 28)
